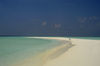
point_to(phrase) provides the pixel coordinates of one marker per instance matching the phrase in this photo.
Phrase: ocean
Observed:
(90, 38)
(16, 50)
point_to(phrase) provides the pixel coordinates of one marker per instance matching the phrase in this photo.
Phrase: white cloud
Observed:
(44, 23)
(88, 19)
(57, 25)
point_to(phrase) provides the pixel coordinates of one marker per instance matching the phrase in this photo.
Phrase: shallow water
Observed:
(16, 49)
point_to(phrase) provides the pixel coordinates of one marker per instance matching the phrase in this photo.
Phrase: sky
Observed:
(50, 17)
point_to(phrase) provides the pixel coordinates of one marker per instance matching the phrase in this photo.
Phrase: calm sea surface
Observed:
(91, 38)
(13, 49)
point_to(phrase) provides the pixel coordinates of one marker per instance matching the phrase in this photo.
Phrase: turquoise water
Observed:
(91, 38)
(14, 49)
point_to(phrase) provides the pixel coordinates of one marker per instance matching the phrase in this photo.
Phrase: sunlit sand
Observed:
(84, 53)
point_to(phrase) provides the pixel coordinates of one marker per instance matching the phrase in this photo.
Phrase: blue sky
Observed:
(50, 17)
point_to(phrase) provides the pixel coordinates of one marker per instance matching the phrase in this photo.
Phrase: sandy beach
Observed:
(84, 53)
(74, 52)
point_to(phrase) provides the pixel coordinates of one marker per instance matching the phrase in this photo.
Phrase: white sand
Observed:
(84, 53)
